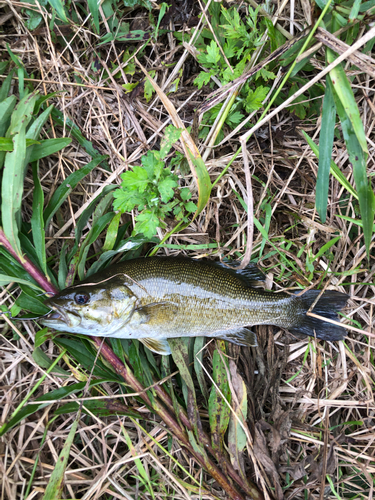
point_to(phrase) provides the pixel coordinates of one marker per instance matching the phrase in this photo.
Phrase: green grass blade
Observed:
(100, 409)
(180, 355)
(3, 67)
(97, 228)
(101, 218)
(199, 343)
(345, 94)
(357, 158)
(23, 410)
(58, 5)
(56, 482)
(42, 360)
(82, 221)
(354, 221)
(74, 130)
(5, 87)
(11, 268)
(42, 401)
(48, 147)
(5, 280)
(32, 302)
(12, 189)
(37, 221)
(6, 109)
(112, 231)
(63, 191)
(203, 181)
(81, 350)
(35, 128)
(326, 247)
(94, 9)
(335, 171)
(33, 132)
(7, 144)
(325, 151)
(355, 10)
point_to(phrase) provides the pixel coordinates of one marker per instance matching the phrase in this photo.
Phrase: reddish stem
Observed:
(26, 263)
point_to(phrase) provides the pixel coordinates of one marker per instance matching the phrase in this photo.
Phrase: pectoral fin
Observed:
(240, 336)
(160, 346)
(157, 312)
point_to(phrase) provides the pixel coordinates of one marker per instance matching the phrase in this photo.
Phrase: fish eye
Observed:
(81, 298)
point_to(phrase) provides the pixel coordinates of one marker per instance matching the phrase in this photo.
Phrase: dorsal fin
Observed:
(251, 276)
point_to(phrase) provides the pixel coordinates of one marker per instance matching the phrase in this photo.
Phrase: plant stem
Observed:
(26, 263)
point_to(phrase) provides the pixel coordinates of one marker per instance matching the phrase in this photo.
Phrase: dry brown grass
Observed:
(311, 405)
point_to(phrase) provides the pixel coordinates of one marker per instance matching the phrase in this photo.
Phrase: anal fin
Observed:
(240, 336)
(160, 346)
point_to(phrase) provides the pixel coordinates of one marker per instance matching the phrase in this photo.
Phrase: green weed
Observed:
(152, 190)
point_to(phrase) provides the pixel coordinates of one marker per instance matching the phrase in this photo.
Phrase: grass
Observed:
(123, 127)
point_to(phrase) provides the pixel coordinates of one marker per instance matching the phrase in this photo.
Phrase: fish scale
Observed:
(153, 299)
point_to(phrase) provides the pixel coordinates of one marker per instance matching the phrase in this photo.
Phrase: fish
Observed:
(157, 298)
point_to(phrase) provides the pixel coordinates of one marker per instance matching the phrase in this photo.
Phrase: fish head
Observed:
(97, 309)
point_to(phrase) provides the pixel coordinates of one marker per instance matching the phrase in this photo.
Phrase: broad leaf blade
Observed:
(5, 280)
(5, 87)
(22, 114)
(81, 351)
(12, 189)
(199, 344)
(96, 230)
(33, 132)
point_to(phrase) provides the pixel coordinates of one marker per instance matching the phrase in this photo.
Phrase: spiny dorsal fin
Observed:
(252, 276)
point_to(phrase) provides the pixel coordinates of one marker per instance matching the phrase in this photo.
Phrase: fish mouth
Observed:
(54, 315)
(58, 316)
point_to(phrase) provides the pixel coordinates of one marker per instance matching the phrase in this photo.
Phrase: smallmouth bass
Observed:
(153, 299)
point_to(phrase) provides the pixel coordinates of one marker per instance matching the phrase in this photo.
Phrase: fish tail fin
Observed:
(330, 302)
